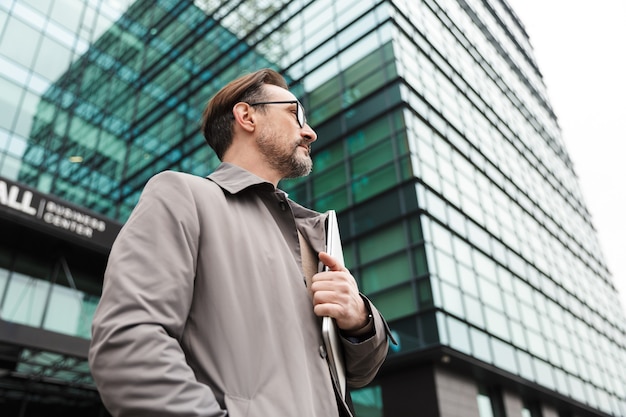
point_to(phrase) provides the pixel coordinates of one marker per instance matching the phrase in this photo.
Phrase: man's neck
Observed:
(255, 167)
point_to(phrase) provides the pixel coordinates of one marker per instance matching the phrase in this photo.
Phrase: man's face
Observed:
(285, 145)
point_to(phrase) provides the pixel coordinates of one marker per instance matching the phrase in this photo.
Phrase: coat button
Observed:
(322, 350)
(283, 206)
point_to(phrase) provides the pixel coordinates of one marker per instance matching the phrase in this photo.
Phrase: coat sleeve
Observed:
(365, 358)
(135, 356)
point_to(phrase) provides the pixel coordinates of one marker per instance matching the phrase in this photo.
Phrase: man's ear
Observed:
(244, 116)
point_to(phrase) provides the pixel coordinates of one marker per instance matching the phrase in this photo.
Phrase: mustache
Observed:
(303, 142)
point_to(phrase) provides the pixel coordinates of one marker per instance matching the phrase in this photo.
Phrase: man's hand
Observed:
(335, 294)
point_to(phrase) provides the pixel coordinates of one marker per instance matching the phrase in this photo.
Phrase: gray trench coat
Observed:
(205, 312)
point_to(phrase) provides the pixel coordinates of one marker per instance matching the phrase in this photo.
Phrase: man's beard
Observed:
(285, 160)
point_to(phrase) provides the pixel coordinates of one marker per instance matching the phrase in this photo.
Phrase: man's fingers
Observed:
(332, 263)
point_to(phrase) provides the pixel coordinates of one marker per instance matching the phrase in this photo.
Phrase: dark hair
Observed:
(217, 118)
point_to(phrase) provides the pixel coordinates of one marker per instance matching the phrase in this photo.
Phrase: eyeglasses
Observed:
(300, 117)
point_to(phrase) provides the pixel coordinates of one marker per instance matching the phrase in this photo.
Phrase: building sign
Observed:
(39, 209)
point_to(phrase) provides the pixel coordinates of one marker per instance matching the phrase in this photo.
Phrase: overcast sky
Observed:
(580, 47)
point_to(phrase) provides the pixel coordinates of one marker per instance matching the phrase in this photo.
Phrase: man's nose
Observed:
(309, 133)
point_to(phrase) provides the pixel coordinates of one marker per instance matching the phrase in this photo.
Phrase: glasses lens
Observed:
(300, 114)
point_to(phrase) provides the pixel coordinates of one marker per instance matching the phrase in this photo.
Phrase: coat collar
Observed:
(235, 179)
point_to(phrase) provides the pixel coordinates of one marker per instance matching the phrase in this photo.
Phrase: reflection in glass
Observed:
(368, 401)
(485, 409)
(64, 310)
(25, 300)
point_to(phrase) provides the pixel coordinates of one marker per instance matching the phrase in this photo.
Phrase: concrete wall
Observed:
(547, 411)
(456, 394)
(513, 404)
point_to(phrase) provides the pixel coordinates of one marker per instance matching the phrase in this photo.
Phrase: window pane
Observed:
(336, 200)
(386, 273)
(368, 401)
(64, 310)
(451, 299)
(544, 373)
(504, 355)
(374, 157)
(484, 406)
(497, 323)
(381, 243)
(329, 180)
(446, 268)
(376, 212)
(366, 137)
(459, 335)
(328, 156)
(467, 277)
(25, 300)
(429, 329)
(374, 183)
(4, 279)
(480, 345)
(421, 263)
(53, 59)
(19, 42)
(396, 303)
(9, 97)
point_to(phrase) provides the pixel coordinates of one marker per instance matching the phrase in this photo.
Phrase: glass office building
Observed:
(459, 208)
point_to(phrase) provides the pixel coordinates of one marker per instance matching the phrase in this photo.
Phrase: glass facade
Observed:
(34, 298)
(460, 211)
